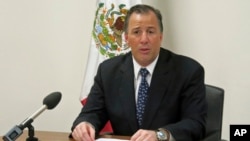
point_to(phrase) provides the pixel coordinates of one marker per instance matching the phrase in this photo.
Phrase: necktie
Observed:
(142, 95)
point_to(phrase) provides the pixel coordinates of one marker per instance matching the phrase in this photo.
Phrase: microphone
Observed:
(49, 102)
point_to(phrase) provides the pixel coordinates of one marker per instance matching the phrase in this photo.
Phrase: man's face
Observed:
(144, 37)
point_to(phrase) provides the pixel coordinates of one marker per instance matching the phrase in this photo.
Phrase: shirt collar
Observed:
(150, 67)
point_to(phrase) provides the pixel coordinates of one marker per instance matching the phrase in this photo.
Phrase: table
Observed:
(59, 136)
(46, 136)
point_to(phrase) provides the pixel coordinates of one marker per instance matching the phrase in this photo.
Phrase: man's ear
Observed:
(126, 38)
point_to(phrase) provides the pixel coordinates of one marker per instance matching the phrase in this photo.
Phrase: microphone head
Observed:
(52, 100)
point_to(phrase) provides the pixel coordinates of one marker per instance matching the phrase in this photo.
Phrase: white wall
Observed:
(217, 34)
(44, 47)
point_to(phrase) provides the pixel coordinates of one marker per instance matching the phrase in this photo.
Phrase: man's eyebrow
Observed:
(150, 27)
(135, 28)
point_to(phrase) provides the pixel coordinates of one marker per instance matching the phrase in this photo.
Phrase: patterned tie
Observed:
(142, 95)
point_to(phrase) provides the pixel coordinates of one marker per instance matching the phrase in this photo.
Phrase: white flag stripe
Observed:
(94, 58)
(104, 44)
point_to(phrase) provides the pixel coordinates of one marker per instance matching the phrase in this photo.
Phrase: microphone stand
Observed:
(28, 121)
(31, 133)
(49, 102)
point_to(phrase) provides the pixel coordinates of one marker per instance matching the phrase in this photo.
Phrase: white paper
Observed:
(110, 139)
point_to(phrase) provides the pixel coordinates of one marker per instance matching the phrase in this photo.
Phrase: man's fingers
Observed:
(84, 132)
(144, 135)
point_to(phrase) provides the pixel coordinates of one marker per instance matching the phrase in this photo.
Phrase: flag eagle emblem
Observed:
(108, 30)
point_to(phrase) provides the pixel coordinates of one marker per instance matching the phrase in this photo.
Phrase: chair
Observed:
(215, 100)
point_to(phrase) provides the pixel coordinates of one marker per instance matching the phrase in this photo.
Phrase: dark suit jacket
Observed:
(176, 97)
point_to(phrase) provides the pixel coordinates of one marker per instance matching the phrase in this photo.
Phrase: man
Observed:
(175, 105)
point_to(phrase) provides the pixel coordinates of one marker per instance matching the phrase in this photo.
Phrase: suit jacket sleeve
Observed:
(94, 110)
(193, 109)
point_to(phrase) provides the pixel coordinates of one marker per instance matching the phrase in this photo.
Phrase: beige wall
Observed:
(44, 47)
(216, 33)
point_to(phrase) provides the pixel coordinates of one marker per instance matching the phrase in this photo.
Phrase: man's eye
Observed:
(151, 32)
(136, 32)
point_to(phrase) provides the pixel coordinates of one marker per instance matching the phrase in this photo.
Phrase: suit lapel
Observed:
(127, 93)
(158, 87)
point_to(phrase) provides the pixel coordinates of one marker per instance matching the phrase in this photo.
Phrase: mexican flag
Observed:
(107, 38)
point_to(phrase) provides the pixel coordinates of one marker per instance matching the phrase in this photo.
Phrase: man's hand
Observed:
(144, 135)
(84, 131)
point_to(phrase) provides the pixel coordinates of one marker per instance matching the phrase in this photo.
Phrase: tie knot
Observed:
(144, 72)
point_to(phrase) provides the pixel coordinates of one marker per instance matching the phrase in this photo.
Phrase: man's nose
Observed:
(144, 38)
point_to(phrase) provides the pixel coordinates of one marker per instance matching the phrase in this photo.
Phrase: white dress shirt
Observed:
(137, 79)
(137, 75)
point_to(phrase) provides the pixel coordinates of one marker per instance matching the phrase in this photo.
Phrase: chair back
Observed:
(215, 101)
